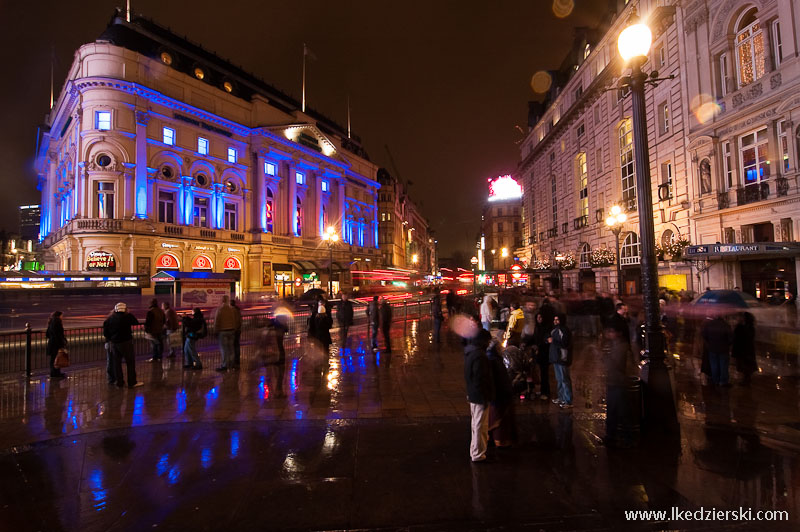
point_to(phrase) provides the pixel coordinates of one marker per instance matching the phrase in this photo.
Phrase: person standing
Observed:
(322, 327)
(561, 358)
(194, 328)
(386, 323)
(480, 392)
(237, 334)
(345, 317)
(717, 338)
(154, 323)
(618, 365)
(516, 322)
(225, 327)
(56, 339)
(172, 325)
(621, 323)
(450, 299)
(437, 315)
(373, 320)
(117, 331)
(540, 335)
(487, 312)
(502, 425)
(744, 347)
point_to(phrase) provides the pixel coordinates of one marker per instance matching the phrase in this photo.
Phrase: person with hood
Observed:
(744, 346)
(322, 327)
(172, 325)
(502, 425)
(560, 341)
(154, 323)
(194, 328)
(56, 339)
(225, 324)
(118, 333)
(386, 323)
(373, 320)
(487, 312)
(480, 392)
(516, 322)
(345, 317)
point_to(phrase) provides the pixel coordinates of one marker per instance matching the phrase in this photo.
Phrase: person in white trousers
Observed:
(480, 392)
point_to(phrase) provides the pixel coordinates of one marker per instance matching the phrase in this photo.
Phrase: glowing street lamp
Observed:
(331, 238)
(634, 44)
(614, 222)
(504, 254)
(474, 262)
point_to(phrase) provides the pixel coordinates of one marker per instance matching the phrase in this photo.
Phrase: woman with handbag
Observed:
(561, 359)
(56, 341)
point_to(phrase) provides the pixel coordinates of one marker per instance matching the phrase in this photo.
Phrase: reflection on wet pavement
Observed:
(362, 439)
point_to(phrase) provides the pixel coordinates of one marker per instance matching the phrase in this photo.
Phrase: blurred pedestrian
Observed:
(541, 333)
(502, 425)
(344, 316)
(194, 328)
(561, 357)
(117, 331)
(225, 326)
(618, 364)
(791, 310)
(322, 327)
(487, 312)
(621, 323)
(480, 392)
(173, 326)
(717, 338)
(516, 322)
(437, 315)
(450, 299)
(744, 346)
(386, 323)
(56, 340)
(373, 320)
(237, 334)
(154, 323)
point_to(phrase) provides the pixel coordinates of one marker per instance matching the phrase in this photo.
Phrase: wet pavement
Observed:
(368, 440)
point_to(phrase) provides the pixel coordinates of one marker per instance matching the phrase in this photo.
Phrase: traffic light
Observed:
(297, 282)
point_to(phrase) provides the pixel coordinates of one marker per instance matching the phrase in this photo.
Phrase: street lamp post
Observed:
(634, 44)
(504, 254)
(331, 238)
(474, 262)
(614, 222)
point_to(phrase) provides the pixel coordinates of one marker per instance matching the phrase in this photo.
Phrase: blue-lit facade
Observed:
(167, 158)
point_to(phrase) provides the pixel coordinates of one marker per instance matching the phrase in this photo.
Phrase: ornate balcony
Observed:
(723, 200)
(552, 232)
(580, 222)
(665, 191)
(564, 227)
(752, 193)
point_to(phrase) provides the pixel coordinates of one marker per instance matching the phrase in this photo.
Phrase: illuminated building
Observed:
(29, 220)
(501, 224)
(403, 231)
(162, 156)
(577, 161)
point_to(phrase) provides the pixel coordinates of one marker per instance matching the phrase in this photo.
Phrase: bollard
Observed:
(28, 350)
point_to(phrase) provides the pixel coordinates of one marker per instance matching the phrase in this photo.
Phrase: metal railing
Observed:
(26, 350)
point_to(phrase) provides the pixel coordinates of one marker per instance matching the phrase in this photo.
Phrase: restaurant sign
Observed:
(101, 261)
(741, 249)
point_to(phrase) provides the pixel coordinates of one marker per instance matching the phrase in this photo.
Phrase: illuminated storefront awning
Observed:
(733, 251)
(305, 265)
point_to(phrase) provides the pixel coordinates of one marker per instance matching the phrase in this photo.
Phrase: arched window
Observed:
(298, 217)
(626, 167)
(750, 57)
(630, 250)
(586, 253)
(270, 212)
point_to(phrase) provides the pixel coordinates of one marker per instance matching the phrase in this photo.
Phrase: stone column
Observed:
(318, 204)
(245, 222)
(259, 188)
(291, 188)
(127, 194)
(143, 202)
(340, 211)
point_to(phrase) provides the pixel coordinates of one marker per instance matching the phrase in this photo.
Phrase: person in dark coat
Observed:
(480, 392)
(502, 425)
(154, 323)
(618, 364)
(437, 315)
(56, 339)
(345, 317)
(560, 341)
(450, 300)
(386, 323)
(621, 323)
(194, 328)
(744, 346)
(717, 338)
(322, 327)
(373, 320)
(172, 325)
(117, 331)
(237, 334)
(542, 355)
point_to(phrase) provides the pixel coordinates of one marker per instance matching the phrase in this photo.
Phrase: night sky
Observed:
(442, 84)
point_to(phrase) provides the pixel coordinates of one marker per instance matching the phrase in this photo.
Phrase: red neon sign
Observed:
(167, 261)
(201, 262)
(232, 263)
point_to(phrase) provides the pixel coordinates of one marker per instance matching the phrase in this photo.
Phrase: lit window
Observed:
(777, 43)
(383, 216)
(325, 186)
(230, 216)
(727, 164)
(200, 212)
(666, 181)
(202, 146)
(630, 250)
(754, 157)
(554, 200)
(723, 74)
(663, 118)
(300, 178)
(231, 155)
(102, 120)
(388, 217)
(783, 142)
(166, 207)
(583, 185)
(587, 50)
(270, 210)
(270, 169)
(169, 136)
(626, 164)
(298, 217)
(750, 60)
(105, 200)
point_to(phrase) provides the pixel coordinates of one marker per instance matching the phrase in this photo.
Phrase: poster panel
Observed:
(266, 274)
(203, 294)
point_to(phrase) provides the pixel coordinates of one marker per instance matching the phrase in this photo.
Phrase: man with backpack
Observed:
(117, 331)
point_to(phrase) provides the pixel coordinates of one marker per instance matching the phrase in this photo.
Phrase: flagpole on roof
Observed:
(348, 115)
(304, 77)
(128, 11)
(52, 55)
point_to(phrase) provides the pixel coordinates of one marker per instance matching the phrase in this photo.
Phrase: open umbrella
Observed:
(728, 298)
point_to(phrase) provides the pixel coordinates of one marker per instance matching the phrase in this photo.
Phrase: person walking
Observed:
(480, 392)
(117, 331)
(322, 327)
(237, 334)
(56, 339)
(516, 322)
(386, 323)
(621, 323)
(717, 339)
(487, 312)
(344, 316)
(173, 326)
(437, 315)
(194, 328)
(744, 347)
(618, 363)
(373, 320)
(561, 358)
(154, 323)
(225, 327)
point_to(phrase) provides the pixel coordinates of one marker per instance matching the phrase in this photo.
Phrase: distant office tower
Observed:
(29, 222)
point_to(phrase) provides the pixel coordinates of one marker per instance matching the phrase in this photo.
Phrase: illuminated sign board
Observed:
(504, 188)
(232, 263)
(201, 262)
(167, 261)
(101, 261)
